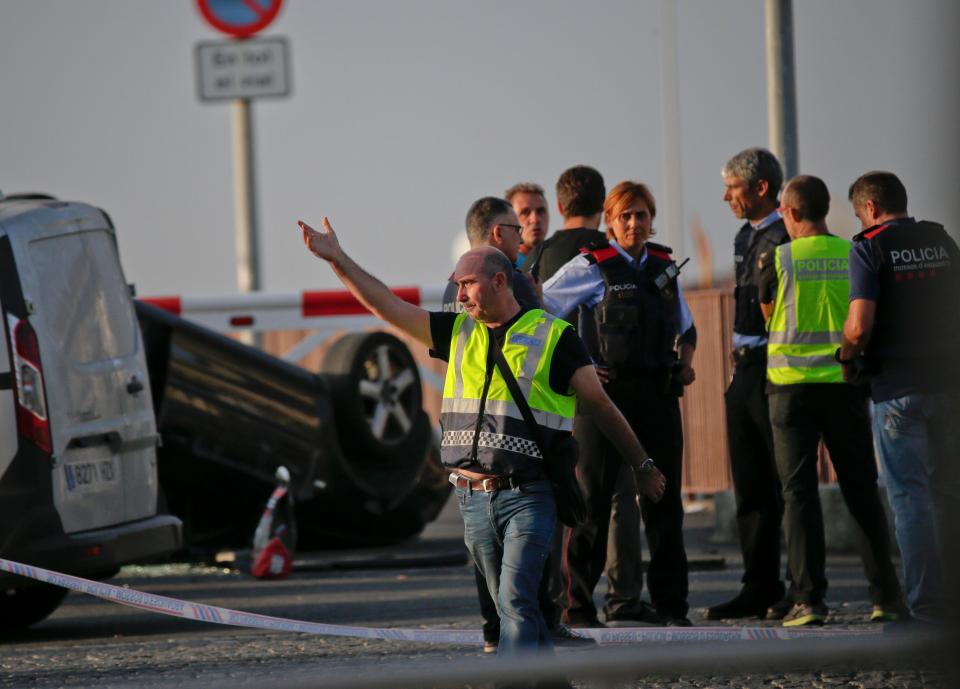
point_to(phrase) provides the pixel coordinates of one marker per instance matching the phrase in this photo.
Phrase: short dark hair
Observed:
(753, 164)
(481, 215)
(523, 188)
(809, 196)
(497, 262)
(580, 191)
(883, 188)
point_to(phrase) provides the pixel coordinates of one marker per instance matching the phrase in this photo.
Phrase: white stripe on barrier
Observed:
(217, 615)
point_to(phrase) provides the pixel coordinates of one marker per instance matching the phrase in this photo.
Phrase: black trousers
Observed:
(756, 485)
(546, 594)
(801, 415)
(654, 416)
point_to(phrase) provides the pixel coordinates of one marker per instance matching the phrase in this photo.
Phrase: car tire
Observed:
(22, 606)
(383, 430)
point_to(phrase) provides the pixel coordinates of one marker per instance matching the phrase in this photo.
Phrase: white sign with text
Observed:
(252, 68)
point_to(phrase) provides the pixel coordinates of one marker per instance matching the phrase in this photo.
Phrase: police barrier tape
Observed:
(225, 616)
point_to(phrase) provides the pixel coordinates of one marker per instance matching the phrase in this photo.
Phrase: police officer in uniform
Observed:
(752, 180)
(905, 319)
(643, 345)
(580, 195)
(803, 292)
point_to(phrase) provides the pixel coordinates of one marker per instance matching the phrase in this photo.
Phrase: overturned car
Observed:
(363, 460)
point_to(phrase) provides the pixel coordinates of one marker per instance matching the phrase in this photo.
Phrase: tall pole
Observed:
(781, 84)
(670, 114)
(245, 204)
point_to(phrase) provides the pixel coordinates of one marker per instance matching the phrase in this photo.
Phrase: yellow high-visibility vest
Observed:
(505, 444)
(808, 316)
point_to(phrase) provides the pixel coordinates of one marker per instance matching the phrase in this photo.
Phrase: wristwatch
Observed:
(647, 465)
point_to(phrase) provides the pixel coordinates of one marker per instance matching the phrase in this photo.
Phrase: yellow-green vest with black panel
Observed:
(504, 444)
(806, 326)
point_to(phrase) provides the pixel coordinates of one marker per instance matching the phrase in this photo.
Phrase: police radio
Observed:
(668, 275)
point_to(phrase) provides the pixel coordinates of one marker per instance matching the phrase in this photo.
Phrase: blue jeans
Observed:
(917, 438)
(508, 534)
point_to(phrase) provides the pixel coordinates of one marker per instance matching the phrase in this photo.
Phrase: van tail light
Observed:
(32, 420)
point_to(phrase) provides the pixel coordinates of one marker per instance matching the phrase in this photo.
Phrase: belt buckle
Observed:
(487, 485)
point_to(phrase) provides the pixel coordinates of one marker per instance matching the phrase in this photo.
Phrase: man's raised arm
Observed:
(372, 293)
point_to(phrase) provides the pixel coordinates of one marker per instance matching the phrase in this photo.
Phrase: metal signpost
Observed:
(240, 70)
(781, 84)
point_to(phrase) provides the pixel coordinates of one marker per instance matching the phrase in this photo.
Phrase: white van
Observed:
(78, 474)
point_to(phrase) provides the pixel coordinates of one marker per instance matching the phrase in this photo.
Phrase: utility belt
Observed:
(743, 356)
(487, 485)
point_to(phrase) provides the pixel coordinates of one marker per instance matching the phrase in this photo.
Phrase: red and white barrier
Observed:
(326, 309)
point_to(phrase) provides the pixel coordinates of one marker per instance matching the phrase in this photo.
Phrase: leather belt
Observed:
(486, 485)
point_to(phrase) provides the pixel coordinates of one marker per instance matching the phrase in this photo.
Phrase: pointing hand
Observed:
(321, 244)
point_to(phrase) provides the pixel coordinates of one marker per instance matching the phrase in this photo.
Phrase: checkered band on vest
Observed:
(497, 441)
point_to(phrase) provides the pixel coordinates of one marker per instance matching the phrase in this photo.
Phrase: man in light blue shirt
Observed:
(641, 335)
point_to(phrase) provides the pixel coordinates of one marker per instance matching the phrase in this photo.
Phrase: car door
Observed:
(101, 416)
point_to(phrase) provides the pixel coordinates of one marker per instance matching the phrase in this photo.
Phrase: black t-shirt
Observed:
(552, 253)
(570, 354)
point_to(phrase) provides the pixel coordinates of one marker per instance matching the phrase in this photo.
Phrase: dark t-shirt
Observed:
(570, 354)
(552, 253)
(911, 271)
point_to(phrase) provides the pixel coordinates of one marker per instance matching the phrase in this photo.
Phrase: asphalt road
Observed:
(89, 642)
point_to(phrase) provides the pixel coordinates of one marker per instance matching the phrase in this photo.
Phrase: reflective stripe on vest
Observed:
(806, 326)
(528, 350)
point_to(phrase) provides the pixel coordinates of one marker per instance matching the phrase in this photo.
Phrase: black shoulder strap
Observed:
(514, 387)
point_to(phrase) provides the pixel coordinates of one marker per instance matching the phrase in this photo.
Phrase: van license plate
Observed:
(87, 475)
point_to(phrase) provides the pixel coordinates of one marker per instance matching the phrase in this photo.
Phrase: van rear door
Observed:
(101, 414)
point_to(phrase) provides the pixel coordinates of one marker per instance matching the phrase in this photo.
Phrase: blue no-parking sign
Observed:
(239, 18)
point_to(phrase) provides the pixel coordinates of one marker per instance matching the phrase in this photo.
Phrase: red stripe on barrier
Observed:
(342, 303)
(171, 304)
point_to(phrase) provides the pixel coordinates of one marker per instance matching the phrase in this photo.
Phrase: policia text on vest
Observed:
(810, 401)
(806, 326)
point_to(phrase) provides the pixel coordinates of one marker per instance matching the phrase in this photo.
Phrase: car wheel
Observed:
(377, 398)
(20, 607)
